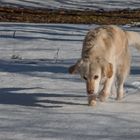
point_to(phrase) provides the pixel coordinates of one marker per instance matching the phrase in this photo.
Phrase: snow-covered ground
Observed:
(74, 4)
(39, 100)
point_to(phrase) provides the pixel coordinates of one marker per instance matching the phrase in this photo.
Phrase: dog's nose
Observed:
(90, 91)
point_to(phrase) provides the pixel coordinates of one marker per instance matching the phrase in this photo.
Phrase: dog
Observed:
(105, 58)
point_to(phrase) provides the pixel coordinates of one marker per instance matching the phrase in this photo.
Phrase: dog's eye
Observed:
(85, 77)
(96, 77)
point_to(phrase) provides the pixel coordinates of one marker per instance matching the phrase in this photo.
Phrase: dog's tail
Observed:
(133, 39)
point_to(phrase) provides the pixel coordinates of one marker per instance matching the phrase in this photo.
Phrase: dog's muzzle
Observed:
(90, 92)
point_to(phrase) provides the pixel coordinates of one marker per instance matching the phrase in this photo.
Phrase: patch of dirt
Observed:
(13, 14)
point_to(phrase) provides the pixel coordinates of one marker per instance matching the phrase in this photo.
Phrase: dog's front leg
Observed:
(120, 84)
(105, 92)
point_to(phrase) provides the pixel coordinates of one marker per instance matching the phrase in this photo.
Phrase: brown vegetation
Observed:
(12, 14)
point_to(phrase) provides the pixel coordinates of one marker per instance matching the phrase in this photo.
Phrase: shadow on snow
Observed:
(36, 68)
(10, 96)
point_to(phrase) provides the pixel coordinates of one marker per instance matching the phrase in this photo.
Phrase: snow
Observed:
(73, 4)
(39, 100)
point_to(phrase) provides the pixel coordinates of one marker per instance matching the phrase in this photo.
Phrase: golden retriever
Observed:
(105, 58)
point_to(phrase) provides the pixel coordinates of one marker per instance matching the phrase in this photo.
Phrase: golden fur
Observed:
(105, 57)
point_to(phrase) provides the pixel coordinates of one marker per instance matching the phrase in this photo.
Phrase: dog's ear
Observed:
(108, 70)
(74, 68)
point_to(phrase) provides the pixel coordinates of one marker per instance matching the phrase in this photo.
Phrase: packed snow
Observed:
(39, 100)
(73, 4)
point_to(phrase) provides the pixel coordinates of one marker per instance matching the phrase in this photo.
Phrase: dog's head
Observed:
(93, 72)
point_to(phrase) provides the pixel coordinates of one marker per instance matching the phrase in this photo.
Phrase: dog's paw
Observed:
(92, 103)
(103, 97)
(92, 100)
(120, 96)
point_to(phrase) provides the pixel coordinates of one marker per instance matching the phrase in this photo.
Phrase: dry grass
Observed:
(11, 14)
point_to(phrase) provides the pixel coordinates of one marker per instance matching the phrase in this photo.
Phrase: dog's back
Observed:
(106, 41)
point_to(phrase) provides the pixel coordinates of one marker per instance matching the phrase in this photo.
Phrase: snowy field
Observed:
(74, 4)
(39, 100)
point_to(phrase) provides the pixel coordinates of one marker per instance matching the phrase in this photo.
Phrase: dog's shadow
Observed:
(19, 96)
